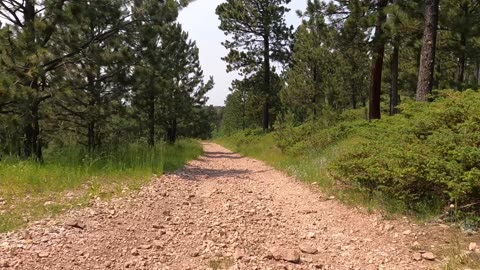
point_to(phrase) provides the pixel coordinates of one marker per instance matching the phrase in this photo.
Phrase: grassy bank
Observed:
(70, 178)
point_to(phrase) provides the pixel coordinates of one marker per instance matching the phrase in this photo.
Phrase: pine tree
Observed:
(260, 37)
(460, 22)
(178, 87)
(312, 76)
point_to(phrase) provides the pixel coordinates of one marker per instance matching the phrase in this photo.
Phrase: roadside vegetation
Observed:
(422, 161)
(72, 177)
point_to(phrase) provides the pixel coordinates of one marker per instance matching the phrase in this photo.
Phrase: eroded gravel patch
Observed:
(221, 211)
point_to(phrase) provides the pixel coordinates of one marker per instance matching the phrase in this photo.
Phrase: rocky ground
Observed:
(222, 211)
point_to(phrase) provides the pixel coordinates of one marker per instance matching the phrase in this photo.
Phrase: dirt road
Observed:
(222, 211)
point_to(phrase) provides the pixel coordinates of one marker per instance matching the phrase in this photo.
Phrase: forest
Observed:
(81, 72)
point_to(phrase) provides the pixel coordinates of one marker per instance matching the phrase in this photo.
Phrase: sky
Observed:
(201, 22)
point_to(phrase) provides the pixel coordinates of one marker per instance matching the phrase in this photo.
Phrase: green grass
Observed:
(70, 177)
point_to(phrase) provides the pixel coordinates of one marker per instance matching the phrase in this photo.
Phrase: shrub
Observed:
(428, 153)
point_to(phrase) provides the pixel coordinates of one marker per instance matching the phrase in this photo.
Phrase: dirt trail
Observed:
(222, 211)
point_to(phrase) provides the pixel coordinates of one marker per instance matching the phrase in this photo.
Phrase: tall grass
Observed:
(26, 185)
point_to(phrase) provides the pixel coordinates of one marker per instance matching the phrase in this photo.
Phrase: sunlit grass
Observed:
(25, 186)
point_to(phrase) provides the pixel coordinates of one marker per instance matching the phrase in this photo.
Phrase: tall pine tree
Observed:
(260, 36)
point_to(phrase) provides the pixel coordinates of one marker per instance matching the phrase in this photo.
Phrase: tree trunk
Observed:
(151, 119)
(172, 132)
(477, 72)
(316, 90)
(427, 58)
(354, 94)
(377, 69)
(461, 62)
(244, 113)
(267, 80)
(91, 138)
(394, 71)
(32, 145)
(353, 85)
(266, 115)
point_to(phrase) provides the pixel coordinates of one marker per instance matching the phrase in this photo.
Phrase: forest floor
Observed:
(225, 211)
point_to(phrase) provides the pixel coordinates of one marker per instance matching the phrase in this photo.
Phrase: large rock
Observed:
(289, 255)
(76, 224)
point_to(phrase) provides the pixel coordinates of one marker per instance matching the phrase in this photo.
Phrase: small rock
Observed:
(195, 254)
(416, 245)
(76, 224)
(331, 198)
(4, 263)
(43, 254)
(157, 244)
(307, 247)
(407, 232)
(472, 246)
(428, 256)
(145, 247)
(417, 257)
(48, 203)
(129, 264)
(389, 227)
(311, 235)
(238, 254)
(134, 252)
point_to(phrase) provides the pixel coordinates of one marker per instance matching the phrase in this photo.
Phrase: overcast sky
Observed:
(201, 22)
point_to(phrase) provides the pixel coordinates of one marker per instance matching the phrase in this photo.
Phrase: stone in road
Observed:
(222, 211)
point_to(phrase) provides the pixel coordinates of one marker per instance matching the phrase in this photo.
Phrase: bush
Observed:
(318, 135)
(428, 153)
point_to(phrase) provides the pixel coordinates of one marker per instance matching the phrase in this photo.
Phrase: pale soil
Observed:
(221, 211)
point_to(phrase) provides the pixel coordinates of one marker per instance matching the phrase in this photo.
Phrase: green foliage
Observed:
(87, 70)
(169, 87)
(315, 136)
(429, 153)
(251, 23)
